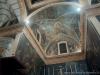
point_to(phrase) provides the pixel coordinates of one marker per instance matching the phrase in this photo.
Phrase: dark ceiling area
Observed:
(98, 17)
(95, 1)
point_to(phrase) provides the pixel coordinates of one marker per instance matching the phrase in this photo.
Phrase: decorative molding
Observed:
(11, 30)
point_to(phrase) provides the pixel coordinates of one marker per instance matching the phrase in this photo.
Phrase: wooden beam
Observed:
(10, 30)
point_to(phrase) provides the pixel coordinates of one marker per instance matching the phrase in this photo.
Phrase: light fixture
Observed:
(43, 28)
(78, 9)
(27, 22)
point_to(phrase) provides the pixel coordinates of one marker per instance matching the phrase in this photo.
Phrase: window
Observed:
(62, 47)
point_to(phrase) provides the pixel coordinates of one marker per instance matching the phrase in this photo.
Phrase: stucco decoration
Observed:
(55, 23)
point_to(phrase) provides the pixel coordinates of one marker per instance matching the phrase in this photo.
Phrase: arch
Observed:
(53, 4)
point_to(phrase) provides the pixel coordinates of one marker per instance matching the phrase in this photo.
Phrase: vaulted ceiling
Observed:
(53, 24)
(56, 23)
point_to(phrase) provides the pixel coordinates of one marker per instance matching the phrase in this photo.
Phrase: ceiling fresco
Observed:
(56, 24)
(5, 46)
(7, 15)
(27, 55)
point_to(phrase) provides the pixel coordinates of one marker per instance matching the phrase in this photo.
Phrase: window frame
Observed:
(59, 51)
